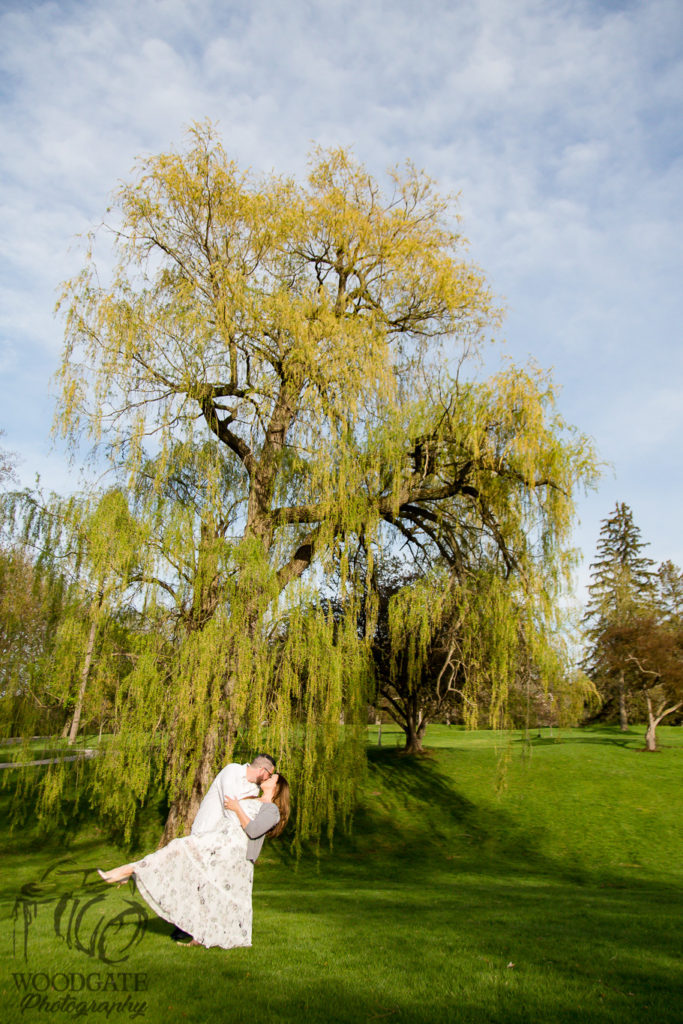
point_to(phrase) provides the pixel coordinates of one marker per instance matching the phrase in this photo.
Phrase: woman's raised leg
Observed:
(120, 874)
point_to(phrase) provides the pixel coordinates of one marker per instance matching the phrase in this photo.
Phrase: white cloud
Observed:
(560, 123)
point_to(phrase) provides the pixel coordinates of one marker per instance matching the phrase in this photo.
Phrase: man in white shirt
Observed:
(235, 780)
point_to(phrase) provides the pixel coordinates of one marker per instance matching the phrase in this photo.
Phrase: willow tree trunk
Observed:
(414, 731)
(183, 810)
(85, 672)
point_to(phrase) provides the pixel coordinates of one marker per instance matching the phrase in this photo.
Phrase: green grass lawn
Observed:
(491, 880)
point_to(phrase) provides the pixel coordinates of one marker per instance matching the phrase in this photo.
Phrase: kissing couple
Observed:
(202, 883)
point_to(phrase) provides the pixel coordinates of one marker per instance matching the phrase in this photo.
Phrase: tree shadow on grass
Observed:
(74, 821)
(630, 739)
(418, 915)
(488, 952)
(551, 951)
(414, 824)
(414, 814)
(484, 953)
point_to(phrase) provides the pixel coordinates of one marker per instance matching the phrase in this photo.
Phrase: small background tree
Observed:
(651, 650)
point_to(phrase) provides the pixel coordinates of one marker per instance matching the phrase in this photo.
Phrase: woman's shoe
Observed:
(106, 877)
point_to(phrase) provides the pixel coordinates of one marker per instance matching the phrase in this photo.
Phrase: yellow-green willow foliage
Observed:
(79, 554)
(87, 546)
(271, 368)
(456, 643)
(252, 677)
(31, 604)
(574, 699)
(480, 647)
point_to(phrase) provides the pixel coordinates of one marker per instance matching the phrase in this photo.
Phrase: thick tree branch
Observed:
(299, 562)
(223, 433)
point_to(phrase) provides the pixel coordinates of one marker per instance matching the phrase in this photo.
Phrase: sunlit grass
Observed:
(492, 880)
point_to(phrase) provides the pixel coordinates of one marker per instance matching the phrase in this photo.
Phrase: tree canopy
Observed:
(276, 372)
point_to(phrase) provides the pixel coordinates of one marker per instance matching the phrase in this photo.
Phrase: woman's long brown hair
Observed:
(281, 801)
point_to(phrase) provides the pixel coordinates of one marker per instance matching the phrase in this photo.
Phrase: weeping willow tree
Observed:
(475, 648)
(452, 645)
(473, 624)
(78, 555)
(275, 369)
(107, 541)
(31, 607)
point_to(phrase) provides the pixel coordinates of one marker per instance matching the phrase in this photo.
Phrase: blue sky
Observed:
(558, 121)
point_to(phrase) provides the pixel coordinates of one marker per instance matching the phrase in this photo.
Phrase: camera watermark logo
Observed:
(87, 921)
(79, 994)
(78, 914)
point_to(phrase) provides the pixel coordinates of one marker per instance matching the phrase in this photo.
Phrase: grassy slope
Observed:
(483, 883)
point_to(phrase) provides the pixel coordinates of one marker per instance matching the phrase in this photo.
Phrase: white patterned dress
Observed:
(202, 883)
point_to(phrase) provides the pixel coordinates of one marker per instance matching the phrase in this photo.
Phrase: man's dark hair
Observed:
(260, 761)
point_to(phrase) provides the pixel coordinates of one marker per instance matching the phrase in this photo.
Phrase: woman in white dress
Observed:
(202, 883)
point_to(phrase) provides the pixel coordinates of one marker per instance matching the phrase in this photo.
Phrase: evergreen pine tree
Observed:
(623, 586)
(670, 592)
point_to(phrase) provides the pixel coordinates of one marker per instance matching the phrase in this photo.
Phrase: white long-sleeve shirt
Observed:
(230, 781)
